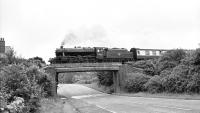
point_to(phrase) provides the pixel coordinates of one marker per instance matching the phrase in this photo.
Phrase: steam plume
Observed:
(68, 38)
(84, 36)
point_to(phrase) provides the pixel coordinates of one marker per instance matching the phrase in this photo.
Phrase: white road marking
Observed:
(63, 98)
(106, 109)
(87, 96)
(94, 95)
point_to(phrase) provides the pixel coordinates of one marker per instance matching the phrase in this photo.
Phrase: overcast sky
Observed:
(37, 27)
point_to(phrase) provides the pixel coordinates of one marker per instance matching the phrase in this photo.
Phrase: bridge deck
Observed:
(86, 69)
(110, 64)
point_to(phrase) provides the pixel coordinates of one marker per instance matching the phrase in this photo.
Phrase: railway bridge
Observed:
(118, 70)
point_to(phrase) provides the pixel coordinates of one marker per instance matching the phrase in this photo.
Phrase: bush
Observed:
(174, 84)
(171, 59)
(177, 81)
(105, 78)
(21, 82)
(33, 105)
(25, 82)
(193, 85)
(140, 64)
(46, 85)
(150, 70)
(154, 85)
(135, 82)
(165, 72)
(175, 72)
(149, 66)
(173, 55)
(166, 65)
(66, 78)
(196, 57)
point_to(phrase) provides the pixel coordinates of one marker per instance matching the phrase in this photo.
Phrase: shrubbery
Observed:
(22, 82)
(171, 59)
(193, 85)
(176, 71)
(105, 78)
(78, 77)
(173, 55)
(150, 67)
(196, 57)
(135, 82)
(154, 85)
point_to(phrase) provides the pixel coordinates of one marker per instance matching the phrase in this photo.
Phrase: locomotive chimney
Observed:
(2, 45)
(61, 47)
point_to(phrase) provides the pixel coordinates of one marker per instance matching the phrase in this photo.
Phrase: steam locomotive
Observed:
(103, 54)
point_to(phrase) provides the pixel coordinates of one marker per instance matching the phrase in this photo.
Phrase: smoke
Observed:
(68, 38)
(90, 36)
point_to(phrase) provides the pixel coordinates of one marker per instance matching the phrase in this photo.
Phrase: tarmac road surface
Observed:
(124, 104)
(69, 90)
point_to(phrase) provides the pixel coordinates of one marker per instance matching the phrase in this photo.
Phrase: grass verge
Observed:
(56, 105)
(162, 95)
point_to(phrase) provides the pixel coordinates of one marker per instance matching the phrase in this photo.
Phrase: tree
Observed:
(173, 55)
(196, 57)
(171, 59)
(105, 78)
(22, 78)
(11, 56)
(38, 59)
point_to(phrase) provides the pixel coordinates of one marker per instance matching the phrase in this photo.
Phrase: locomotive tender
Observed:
(103, 54)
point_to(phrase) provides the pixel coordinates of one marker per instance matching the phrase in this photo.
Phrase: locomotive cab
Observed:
(134, 51)
(100, 53)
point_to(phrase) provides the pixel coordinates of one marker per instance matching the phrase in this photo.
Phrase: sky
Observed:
(38, 27)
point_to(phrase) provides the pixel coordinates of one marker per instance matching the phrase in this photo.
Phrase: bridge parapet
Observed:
(86, 69)
(66, 65)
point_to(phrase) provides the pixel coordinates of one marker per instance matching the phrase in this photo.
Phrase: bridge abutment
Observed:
(53, 76)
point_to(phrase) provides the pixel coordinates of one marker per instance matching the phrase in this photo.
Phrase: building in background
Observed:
(3, 48)
(2, 45)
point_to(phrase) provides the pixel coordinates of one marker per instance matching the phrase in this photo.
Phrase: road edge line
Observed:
(105, 109)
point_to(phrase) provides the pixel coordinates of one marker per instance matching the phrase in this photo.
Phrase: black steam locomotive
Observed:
(103, 54)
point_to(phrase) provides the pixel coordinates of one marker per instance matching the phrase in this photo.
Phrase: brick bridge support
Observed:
(54, 78)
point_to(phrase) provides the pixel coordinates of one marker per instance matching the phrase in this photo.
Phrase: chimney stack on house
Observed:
(2, 45)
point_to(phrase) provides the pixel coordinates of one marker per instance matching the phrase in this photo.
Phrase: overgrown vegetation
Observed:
(105, 78)
(176, 71)
(135, 82)
(22, 84)
(78, 78)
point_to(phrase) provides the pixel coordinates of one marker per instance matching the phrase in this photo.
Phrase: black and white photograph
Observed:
(99, 56)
